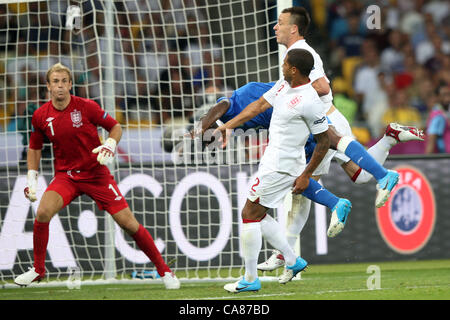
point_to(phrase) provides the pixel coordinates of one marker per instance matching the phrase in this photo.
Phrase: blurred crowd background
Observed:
(167, 61)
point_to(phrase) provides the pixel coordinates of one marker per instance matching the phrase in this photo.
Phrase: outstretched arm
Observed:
(213, 114)
(251, 111)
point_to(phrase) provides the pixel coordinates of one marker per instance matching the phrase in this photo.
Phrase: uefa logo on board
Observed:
(406, 221)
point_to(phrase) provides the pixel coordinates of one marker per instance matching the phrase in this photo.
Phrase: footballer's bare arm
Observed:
(321, 149)
(321, 86)
(251, 111)
(33, 158)
(213, 114)
(116, 132)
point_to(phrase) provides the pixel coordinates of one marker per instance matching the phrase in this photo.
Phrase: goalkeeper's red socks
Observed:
(145, 242)
(40, 241)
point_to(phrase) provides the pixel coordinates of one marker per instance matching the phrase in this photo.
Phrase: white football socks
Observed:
(379, 151)
(297, 217)
(251, 243)
(275, 235)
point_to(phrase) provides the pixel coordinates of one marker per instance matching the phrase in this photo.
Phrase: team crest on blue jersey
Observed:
(76, 118)
(406, 221)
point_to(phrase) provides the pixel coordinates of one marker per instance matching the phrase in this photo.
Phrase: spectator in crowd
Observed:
(350, 42)
(431, 45)
(176, 95)
(392, 57)
(366, 84)
(438, 123)
(401, 111)
(439, 10)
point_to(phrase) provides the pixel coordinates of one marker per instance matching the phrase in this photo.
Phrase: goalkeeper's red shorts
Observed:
(102, 188)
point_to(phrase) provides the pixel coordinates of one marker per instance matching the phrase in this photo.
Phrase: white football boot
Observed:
(275, 261)
(291, 271)
(243, 285)
(385, 186)
(171, 281)
(28, 277)
(404, 133)
(339, 216)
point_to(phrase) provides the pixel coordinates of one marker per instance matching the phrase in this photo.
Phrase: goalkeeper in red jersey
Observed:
(70, 123)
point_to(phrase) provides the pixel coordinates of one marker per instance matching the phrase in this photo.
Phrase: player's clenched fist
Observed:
(106, 151)
(30, 189)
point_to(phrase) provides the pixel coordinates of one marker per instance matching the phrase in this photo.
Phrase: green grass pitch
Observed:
(408, 280)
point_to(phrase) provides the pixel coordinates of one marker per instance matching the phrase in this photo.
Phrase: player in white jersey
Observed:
(290, 31)
(297, 112)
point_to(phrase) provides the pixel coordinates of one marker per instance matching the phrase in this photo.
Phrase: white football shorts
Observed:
(270, 187)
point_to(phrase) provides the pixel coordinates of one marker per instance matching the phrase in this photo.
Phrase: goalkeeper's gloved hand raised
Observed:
(30, 189)
(106, 151)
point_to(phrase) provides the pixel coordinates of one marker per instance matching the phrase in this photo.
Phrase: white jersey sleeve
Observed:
(317, 71)
(272, 93)
(313, 113)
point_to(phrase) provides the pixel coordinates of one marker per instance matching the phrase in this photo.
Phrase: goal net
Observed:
(155, 66)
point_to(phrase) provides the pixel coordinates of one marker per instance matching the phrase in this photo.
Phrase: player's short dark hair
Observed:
(301, 59)
(300, 17)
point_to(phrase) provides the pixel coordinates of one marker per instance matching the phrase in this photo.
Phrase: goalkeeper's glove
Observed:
(30, 189)
(106, 151)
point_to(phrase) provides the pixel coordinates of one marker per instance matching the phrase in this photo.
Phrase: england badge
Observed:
(76, 118)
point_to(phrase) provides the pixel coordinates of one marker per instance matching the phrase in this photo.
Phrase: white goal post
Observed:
(154, 66)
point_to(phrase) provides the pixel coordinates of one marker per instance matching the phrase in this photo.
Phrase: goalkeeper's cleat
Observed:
(28, 277)
(275, 261)
(404, 133)
(243, 285)
(171, 281)
(339, 216)
(385, 186)
(291, 271)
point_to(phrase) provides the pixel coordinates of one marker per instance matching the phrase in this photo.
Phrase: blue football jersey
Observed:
(242, 97)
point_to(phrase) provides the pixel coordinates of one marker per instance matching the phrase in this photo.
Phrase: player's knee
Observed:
(44, 214)
(127, 222)
(252, 211)
(131, 228)
(334, 137)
